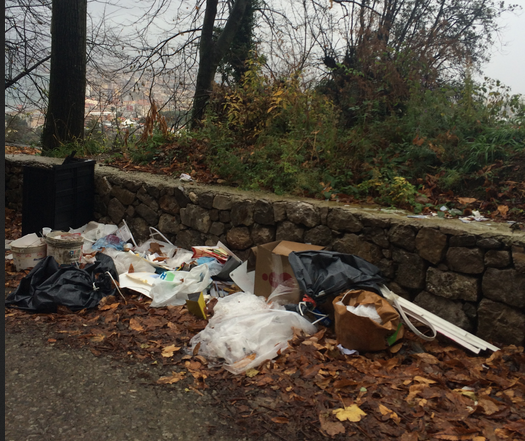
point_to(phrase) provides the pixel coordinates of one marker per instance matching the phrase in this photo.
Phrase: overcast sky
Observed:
(508, 55)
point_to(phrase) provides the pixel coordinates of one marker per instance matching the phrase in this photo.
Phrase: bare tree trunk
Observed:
(67, 83)
(211, 53)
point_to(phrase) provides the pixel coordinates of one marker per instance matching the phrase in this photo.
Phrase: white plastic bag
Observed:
(167, 249)
(245, 331)
(175, 292)
(123, 259)
(364, 311)
(181, 257)
(93, 231)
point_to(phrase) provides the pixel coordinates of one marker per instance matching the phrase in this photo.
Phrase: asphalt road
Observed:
(69, 394)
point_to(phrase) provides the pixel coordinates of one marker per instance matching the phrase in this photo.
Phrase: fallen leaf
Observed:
(352, 413)
(503, 209)
(424, 380)
(468, 393)
(98, 338)
(390, 413)
(446, 436)
(135, 325)
(155, 248)
(488, 406)
(251, 372)
(413, 391)
(109, 307)
(466, 201)
(331, 428)
(427, 358)
(174, 378)
(169, 350)
(280, 420)
(196, 349)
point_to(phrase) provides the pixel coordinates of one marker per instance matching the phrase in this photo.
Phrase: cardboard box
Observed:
(273, 269)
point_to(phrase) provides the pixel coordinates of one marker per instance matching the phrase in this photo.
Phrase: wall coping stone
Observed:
(499, 231)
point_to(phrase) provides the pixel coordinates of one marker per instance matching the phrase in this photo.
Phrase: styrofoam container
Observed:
(28, 251)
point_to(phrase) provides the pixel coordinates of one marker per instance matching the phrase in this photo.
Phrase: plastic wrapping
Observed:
(109, 241)
(181, 257)
(123, 259)
(49, 285)
(94, 231)
(166, 249)
(174, 286)
(245, 331)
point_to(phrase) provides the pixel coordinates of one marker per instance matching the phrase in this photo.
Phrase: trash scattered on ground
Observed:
(245, 331)
(372, 329)
(49, 285)
(251, 307)
(272, 267)
(196, 305)
(420, 378)
(65, 247)
(28, 251)
(185, 177)
(345, 351)
(475, 217)
(435, 323)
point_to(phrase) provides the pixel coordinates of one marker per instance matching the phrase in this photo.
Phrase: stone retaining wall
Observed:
(470, 274)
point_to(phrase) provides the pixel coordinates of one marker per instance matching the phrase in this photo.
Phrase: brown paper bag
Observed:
(362, 333)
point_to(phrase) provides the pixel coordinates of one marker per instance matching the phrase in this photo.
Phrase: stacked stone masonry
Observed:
(471, 275)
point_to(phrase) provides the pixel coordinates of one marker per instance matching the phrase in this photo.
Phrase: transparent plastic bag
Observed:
(174, 286)
(123, 259)
(245, 331)
(181, 257)
(166, 249)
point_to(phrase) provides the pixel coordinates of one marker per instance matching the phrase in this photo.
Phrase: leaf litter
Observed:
(426, 390)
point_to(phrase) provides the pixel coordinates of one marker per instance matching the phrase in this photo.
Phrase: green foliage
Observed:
(396, 191)
(144, 151)
(280, 136)
(273, 135)
(88, 147)
(233, 66)
(18, 131)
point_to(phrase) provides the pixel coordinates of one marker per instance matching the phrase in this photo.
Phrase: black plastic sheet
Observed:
(323, 274)
(50, 284)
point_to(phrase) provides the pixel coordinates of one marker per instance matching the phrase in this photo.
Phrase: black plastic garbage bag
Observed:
(50, 284)
(322, 274)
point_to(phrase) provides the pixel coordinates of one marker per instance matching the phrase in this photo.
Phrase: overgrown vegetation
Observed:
(428, 147)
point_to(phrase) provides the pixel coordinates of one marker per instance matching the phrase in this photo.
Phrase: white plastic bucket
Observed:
(65, 247)
(28, 251)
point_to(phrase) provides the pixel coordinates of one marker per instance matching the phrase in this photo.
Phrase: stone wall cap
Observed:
(501, 231)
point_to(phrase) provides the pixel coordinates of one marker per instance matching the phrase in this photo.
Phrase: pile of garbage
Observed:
(252, 307)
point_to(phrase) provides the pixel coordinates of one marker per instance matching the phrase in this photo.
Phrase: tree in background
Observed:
(67, 83)
(395, 45)
(233, 65)
(26, 40)
(212, 51)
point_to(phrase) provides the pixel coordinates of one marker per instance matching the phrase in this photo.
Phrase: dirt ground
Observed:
(124, 371)
(54, 393)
